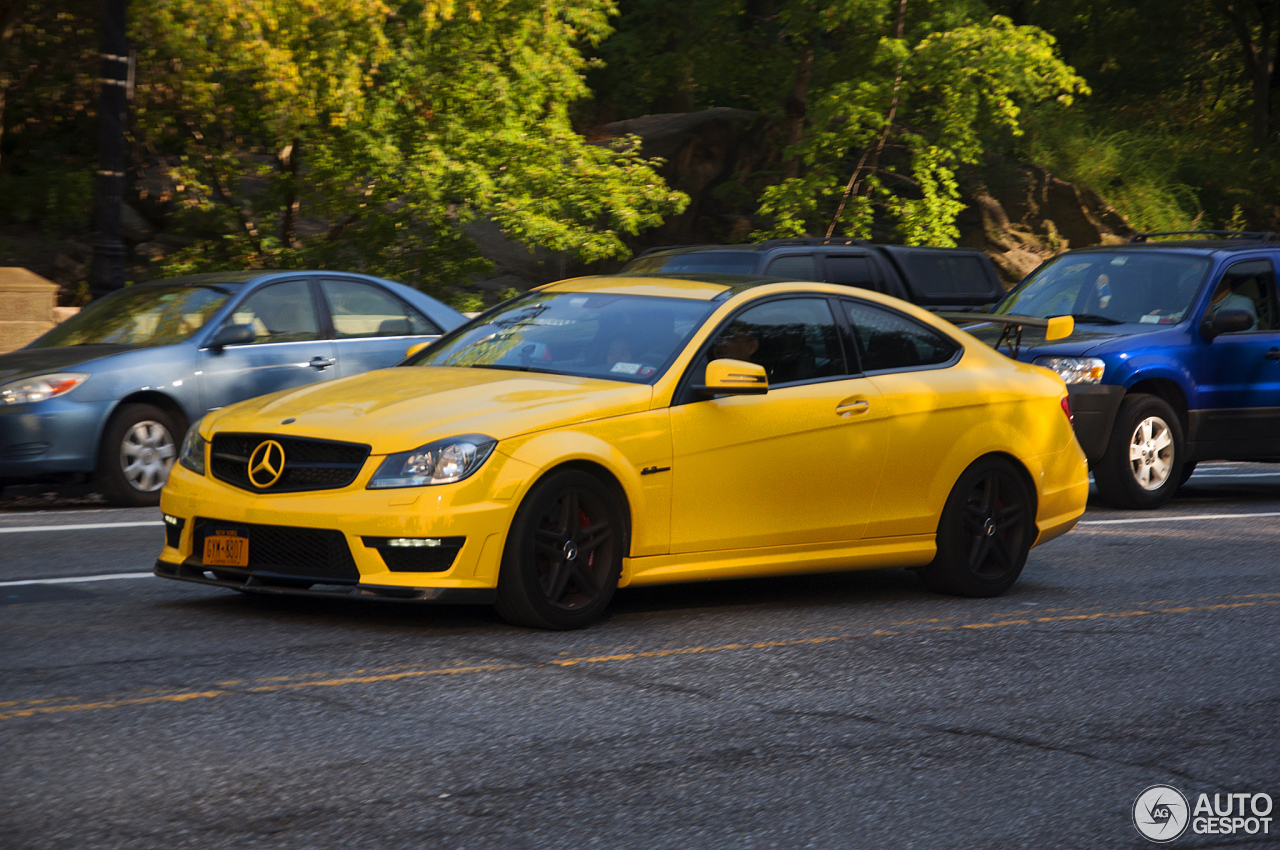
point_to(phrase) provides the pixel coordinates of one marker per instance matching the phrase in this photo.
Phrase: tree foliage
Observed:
(369, 134)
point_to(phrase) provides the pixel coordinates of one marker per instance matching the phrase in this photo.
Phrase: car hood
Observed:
(399, 409)
(26, 362)
(1083, 339)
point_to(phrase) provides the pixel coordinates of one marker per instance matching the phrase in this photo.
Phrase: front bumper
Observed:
(50, 438)
(1094, 407)
(360, 520)
(249, 583)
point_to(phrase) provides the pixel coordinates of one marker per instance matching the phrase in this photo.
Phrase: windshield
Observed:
(703, 262)
(1111, 288)
(620, 337)
(143, 315)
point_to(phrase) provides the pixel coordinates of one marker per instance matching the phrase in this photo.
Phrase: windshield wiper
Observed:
(1095, 319)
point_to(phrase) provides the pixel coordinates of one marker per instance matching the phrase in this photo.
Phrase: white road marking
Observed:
(1179, 518)
(1211, 474)
(22, 529)
(75, 579)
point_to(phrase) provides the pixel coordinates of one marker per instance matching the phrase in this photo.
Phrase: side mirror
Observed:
(414, 349)
(734, 377)
(1226, 322)
(232, 335)
(1059, 327)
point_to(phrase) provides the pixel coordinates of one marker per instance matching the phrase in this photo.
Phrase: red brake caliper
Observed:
(582, 523)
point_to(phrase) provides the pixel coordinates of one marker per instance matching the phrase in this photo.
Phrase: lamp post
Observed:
(106, 271)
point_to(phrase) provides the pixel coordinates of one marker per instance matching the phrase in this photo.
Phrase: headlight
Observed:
(1074, 370)
(441, 462)
(192, 455)
(39, 388)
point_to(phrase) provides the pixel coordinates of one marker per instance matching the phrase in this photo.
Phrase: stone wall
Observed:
(27, 303)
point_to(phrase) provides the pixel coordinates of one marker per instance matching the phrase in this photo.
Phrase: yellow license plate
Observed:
(226, 549)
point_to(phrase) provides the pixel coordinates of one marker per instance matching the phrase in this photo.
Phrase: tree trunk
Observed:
(287, 159)
(795, 108)
(1259, 57)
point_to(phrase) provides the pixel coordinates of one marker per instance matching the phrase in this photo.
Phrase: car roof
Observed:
(697, 287)
(1182, 246)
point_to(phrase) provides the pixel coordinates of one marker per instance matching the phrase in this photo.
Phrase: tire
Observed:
(138, 448)
(984, 535)
(1142, 465)
(563, 554)
(1188, 469)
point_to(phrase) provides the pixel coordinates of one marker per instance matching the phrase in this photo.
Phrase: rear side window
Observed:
(796, 267)
(941, 275)
(361, 309)
(888, 340)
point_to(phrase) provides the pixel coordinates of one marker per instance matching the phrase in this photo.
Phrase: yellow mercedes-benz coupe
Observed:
(613, 431)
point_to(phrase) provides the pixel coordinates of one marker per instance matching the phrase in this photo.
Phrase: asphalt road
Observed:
(850, 710)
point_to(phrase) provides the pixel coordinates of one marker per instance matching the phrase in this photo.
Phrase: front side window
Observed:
(1249, 286)
(1111, 288)
(361, 309)
(794, 339)
(142, 316)
(890, 341)
(619, 337)
(852, 270)
(279, 312)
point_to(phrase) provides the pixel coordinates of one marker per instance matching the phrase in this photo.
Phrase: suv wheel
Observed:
(1142, 466)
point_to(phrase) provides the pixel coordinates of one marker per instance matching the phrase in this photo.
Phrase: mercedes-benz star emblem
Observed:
(266, 464)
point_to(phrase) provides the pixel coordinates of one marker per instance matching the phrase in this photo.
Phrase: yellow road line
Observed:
(40, 707)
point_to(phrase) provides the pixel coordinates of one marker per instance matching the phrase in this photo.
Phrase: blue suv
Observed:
(1175, 358)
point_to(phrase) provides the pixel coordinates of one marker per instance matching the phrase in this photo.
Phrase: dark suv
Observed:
(934, 278)
(1175, 357)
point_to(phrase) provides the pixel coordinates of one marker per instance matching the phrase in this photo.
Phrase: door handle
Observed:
(853, 408)
(1273, 354)
(321, 363)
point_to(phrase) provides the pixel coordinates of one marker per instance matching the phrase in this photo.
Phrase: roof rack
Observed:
(814, 240)
(1255, 235)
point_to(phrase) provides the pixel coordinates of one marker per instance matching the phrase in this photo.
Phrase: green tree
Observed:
(370, 133)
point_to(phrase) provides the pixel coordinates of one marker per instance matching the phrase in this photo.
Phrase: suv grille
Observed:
(319, 554)
(308, 464)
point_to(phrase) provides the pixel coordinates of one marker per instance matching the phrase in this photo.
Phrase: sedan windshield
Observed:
(700, 262)
(142, 316)
(620, 337)
(1111, 288)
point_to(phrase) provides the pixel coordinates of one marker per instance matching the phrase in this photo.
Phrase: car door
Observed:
(797, 465)
(372, 328)
(1239, 380)
(287, 351)
(927, 407)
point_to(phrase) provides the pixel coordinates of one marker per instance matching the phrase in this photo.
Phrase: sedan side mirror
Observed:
(1226, 322)
(232, 335)
(414, 349)
(734, 377)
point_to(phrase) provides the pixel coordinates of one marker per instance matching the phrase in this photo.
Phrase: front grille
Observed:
(318, 554)
(417, 559)
(22, 451)
(308, 464)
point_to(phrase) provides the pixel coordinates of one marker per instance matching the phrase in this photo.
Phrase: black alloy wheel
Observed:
(984, 535)
(563, 555)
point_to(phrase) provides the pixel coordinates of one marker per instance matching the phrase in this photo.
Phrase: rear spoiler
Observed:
(1055, 327)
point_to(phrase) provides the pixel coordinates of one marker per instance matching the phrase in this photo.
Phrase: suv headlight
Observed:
(441, 462)
(1074, 370)
(26, 390)
(192, 454)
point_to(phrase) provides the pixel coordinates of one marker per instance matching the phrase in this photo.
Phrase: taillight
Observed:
(1066, 408)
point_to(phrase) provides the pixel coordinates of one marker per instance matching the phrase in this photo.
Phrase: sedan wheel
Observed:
(564, 554)
(138, 449)
(987, 528)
